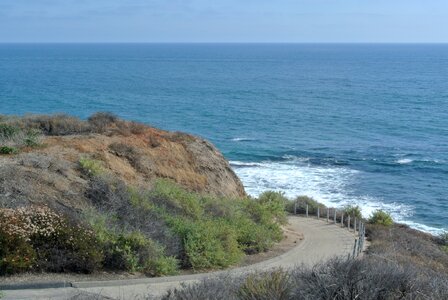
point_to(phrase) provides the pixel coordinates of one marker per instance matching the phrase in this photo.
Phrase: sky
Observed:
(295, 21)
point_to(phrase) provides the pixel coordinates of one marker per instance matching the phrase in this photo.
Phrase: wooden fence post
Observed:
(328, 215)
(295, 208)
(307, 210)
(342, 219)
(354, 226)
(335, 216)
(318, 212)
(348, 223)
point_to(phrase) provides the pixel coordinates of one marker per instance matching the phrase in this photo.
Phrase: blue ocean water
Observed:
(346, 124)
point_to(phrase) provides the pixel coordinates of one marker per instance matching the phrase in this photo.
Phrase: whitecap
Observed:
(404, 161)
(242, 139)
(244, 164)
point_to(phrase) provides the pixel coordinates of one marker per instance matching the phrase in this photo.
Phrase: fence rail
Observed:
(350, 222)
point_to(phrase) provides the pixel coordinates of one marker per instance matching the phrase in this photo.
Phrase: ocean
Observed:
(360, 124)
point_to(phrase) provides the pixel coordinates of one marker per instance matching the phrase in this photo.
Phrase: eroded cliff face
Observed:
(51, 173)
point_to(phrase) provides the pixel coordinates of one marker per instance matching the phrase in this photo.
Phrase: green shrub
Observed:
(5, 150)
(275, 203)
(91, 167)
(208, 244)
(8, 131)
(303, 201)
(255, 238)
(12, 138)
(381, 217)
(205, 232)
(32, 138)
(122, 251)
(352, 211)
(162, 266)
(126, 251)
(167, 194)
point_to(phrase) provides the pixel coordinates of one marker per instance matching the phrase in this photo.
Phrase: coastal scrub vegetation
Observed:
(367, 279)
(155, 231)
(380, 217)
(202, 232)
(400, 263)
(13, 138)
(29, 126)
(303, 201)
(35, 238)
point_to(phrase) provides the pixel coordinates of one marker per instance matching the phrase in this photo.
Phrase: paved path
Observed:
(321, 242)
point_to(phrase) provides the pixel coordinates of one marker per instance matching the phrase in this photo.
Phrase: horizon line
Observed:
(193, 42)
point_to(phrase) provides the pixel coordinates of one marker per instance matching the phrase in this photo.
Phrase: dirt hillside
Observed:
(135, 153)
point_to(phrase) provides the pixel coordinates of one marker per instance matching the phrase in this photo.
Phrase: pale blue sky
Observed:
(224, 21)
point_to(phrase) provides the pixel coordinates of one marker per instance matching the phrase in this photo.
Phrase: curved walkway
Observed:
(321, 242)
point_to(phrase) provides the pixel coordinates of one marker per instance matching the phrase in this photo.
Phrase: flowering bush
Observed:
(36, 237)
(25, 222)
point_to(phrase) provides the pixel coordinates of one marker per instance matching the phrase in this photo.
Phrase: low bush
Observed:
(215, 232)
(128, 208)
(219, 288)
(55, 125)
(8, 131)
(32, 138)
(41, 239)
(91, 167)
(339, 279)
(62, 124)
(274, 202)
(16, 254)
(101, 120)
(129, 251)
(175, 199)
(303, 201)
(380, 217)
(208, 244)
(443, 241)
(5, 150)
(12, 138)
(137, 128)
(443, 238)
(162, 266)
(266, 286)
(352, 211)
